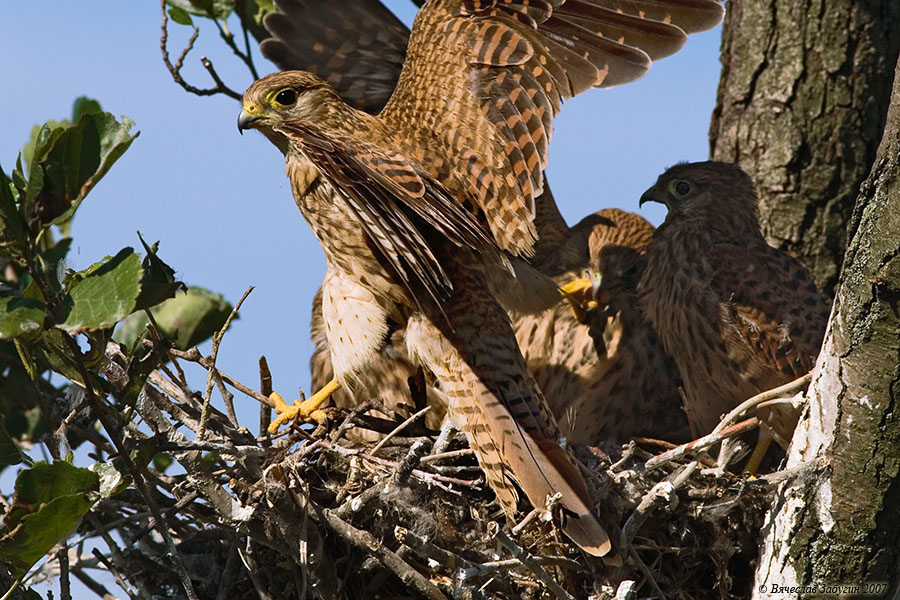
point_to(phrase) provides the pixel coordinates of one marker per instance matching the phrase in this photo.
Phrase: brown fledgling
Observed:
(738, 316)
(606, 376)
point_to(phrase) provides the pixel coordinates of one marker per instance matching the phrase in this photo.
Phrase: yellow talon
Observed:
(577, 287)
(308, 410)
(575, 292)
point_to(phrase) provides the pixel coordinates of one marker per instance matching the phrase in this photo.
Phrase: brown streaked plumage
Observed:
(607, 379)
(398, 202)
(399, 247)
(358, 47)
(738, 316)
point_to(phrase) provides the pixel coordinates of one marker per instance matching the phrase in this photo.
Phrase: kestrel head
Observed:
(287, 96)
(710, 193)
(617, 244)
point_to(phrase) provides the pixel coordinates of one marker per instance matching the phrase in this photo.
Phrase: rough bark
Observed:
(842, 525)
(801, 105)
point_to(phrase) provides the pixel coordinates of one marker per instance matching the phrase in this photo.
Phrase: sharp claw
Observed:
(308, 410)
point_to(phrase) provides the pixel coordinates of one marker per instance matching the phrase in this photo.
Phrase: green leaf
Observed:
(162, 461)
(158, 282)
(12, 226)
(84, 105)
(50, 500)
(188, 319)
(9, 451)
(70, 161)
(180, 16)
(257, 9)
(105, 294)
(20, 316)
(212, 9)
(52, 263)
(112, 479)
(55, 352)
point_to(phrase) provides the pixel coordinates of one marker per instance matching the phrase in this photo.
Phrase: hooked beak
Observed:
(650, 196)
(248, 118)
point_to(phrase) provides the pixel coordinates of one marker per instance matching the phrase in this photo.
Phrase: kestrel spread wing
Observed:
(738, 316)
(465, 130)
(357, 46)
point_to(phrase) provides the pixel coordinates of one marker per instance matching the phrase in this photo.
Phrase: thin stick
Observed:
(451, 454)
(646, 571)
(265, 387)
(398, 429)
(112, 430)
(366, 541)
(216, 341)
(700, 443)
(527, 561)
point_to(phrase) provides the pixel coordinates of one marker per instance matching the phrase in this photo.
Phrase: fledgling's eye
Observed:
(681, 188)
(286, 97)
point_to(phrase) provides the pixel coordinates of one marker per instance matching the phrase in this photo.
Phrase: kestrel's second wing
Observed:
(357, 46)
(773, 316)
(483, 80)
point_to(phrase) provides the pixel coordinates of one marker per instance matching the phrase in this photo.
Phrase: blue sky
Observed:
(219, 203)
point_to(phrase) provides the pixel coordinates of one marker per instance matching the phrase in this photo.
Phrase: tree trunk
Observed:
(801, 105)
(841, 525)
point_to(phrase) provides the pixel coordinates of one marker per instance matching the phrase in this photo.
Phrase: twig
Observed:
(265, 387)
(451, 454)
(367, 542)
(646, 571)
(193, 355)
(112, 431)
(175, 70)
(92, 584)
(228, 397)
(446, 559)
(527, 561)
(120, 581)
(402, 471)
(398, 429)
(216, 341)
(664, 491)
(700, 443)
(228, 571)
(755, 401)
(252, 571)
(62, 556)
(541, 513)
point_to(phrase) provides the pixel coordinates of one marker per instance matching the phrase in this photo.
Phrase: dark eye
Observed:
(286, 97)
(682, 188)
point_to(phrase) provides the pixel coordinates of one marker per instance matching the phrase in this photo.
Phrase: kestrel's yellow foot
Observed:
(579, 294)
(308, 410)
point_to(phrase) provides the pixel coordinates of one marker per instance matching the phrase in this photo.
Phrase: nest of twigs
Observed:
(321, 514)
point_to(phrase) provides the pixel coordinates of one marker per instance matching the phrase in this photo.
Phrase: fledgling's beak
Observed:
(650, 196)
(248, 118)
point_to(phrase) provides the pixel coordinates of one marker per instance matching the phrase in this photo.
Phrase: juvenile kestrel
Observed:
(738, 316)
(606, 376)
(415, 208)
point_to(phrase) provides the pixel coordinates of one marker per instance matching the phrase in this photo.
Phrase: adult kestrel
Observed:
(605, 374)
(738, 316)
(415, 208)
